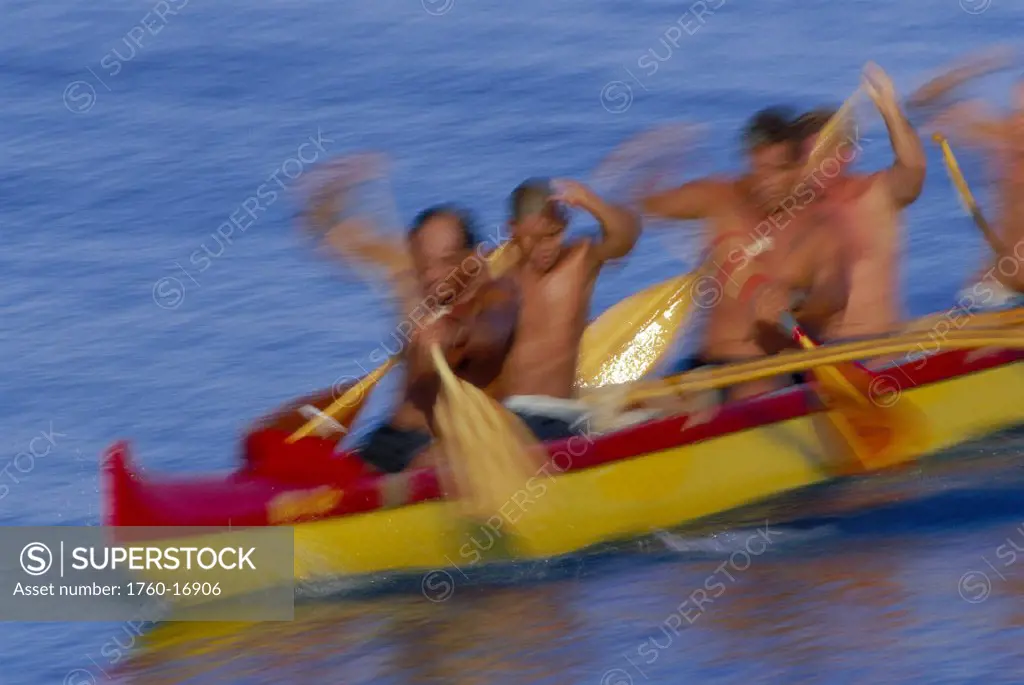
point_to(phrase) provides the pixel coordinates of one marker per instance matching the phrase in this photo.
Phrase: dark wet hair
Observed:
(533, 196)
(812, 122)
(770, 126)
(464, 218)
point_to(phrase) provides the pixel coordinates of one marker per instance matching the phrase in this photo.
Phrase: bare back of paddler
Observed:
(555, 282)
(745, 224)
(459, 307)
(1000, 284)
(865, 210)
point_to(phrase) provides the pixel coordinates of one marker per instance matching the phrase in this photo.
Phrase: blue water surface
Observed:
(132, 131)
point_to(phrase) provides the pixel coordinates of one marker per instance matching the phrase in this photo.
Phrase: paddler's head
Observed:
(808, 127)
(772, 154)
(442, 241)
(537, 222)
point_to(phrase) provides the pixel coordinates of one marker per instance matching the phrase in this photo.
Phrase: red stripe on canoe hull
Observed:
(241, 499)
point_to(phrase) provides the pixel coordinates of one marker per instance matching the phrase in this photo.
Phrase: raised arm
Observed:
(905, 178)
(939, 88)
(690, 201)
(620, 227)
(355, 241)
(972, 123)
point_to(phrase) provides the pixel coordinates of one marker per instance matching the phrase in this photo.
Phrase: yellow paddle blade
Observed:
(504, 257)
(877, 425)
(877, 435)
(345, 408)
(348, 405)
(490, 453)
(839, 129)
(628, 339)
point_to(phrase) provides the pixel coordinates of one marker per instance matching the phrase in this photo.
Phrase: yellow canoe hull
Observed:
(635, 496)
(653, 476)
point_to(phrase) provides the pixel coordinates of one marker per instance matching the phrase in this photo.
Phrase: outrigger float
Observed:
(655, 475)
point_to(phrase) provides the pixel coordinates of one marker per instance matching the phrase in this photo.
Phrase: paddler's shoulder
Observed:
(865, 187)
(583, 252)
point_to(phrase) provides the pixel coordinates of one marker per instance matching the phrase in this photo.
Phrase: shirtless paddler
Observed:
(555, 281)
(1000, 283)
(865, 212)
(751, 230)
(439, 268)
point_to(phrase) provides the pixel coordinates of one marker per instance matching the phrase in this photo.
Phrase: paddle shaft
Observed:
(349, 398)
(805, 360)
(829, 128)
(790, 324)
(966, 196)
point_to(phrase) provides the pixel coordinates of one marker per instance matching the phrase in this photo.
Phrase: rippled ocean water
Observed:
(133, 131)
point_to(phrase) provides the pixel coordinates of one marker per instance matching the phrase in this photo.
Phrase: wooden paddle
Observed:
(996, 334)
(344, 409)
(628, 338)
(876, 428)
(1000, 330)
(340, 414)
(619, 346)
(966, 196)
(490, 453)
(823, 145)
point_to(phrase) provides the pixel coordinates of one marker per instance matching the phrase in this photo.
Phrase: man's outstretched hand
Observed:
(328, 188)
(879, 88)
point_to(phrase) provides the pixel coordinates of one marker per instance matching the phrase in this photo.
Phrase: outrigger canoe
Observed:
(655, 475)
